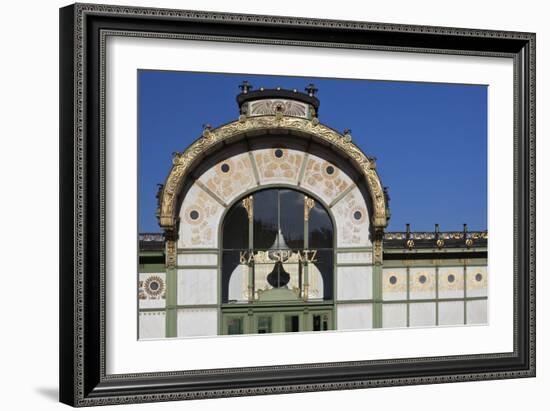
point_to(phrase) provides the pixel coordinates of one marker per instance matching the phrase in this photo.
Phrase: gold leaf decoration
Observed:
(183, 162)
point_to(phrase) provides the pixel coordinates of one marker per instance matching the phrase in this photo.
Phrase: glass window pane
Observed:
(320, 228)
(278, 259)
(317, 322)
(264, 325)
(324, 264)
(265, 218)
(292, 323)
(234, 326)
(320, 322)
(235, 228)
(292, 218)
(234, 275)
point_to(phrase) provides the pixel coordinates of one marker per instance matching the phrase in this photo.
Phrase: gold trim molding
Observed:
(184, 161)
(309, 203)
(171, 254)
(248, 204)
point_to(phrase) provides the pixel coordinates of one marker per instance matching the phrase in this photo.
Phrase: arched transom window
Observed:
(277, 244)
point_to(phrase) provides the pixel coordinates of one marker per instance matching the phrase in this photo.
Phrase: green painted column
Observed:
(377, 295)
(377, 280)
(171, 289)
(171, 302)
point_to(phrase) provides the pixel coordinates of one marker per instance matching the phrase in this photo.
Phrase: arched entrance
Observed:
(277, 252)
(225, 283)
(254, 285)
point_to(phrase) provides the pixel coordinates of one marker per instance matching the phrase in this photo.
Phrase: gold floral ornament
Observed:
(248, 204)
(183, 162)
(154, 286)
(309, 203)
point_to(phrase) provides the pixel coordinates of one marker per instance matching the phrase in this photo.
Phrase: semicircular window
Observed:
(277, 245)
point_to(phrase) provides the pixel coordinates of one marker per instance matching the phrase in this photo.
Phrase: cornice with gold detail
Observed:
(184, 161)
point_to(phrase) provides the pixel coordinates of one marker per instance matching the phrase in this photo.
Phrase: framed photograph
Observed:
(262, 204)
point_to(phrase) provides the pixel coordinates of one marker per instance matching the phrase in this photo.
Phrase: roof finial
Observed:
(311, 89)
(245, 87)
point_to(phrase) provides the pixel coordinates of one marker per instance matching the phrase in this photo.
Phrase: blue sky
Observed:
(430, 139)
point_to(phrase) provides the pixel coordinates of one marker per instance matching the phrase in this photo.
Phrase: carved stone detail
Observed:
(271, 106)
(171, 253)
(182, 162)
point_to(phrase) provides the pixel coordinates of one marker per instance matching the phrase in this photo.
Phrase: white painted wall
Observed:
(29, 84)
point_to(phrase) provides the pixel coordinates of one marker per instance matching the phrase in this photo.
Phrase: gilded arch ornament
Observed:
(183, 162)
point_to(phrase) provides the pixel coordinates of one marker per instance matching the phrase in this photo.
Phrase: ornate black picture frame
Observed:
(83, 379)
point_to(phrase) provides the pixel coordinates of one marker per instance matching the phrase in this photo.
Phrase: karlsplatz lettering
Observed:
(304, 256)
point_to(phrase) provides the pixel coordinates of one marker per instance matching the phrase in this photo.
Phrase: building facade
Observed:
(276, 223)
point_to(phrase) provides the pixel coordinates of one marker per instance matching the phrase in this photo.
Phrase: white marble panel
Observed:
(352, 220)
(152, 324)
(394, 284)
(197, 286)
(198, 259)
(476, 281)
(278, 170)
(354, 316)
(152, 303)
(229, 178)
(451, 282)
(476, 312)
(197, 322)
(324, 179)
(421, 314)
(200, 216)
(451, 313)
(354, 283)
(394, 315)
(152, 290)
(422, 282)
(363, 257)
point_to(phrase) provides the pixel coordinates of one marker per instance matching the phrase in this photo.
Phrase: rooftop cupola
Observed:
(264, 101)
